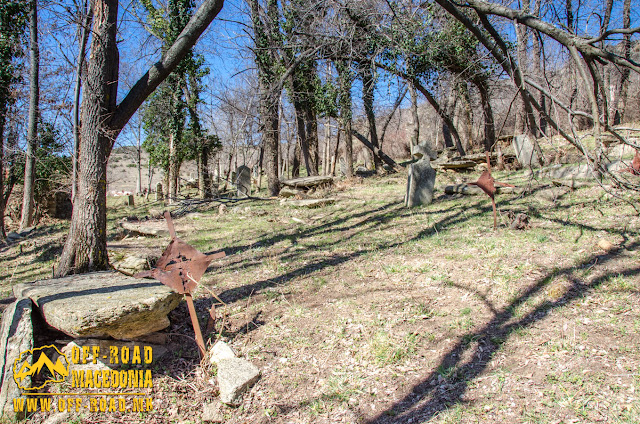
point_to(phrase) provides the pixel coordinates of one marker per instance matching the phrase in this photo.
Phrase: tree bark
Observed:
(346, 113)
(32, 130)
(415, 134)
(85, 248)
(83, 34)
(623, 87)
(487, 112)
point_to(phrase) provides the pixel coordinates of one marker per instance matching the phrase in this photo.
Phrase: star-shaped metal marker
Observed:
(488, 184)
(181, 267)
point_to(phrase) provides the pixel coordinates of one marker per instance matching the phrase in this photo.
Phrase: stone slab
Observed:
(16, 336)
(102, 304)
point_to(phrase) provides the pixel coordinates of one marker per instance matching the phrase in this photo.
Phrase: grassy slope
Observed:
(367, 309)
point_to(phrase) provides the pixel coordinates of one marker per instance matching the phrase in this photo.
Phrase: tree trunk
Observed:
(83, 34)
(86, 246)
(487, 112)
(269, 114)
(32, 130)
(345, 82)
(415, 135)
(368, 86)
(3, 118)
(623, 87)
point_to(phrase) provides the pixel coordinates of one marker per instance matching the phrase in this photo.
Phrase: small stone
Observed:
(606, 245)
(222, 209)
(220, 351)
(308, 203)
(132, 265)
(235, 376)
(211, 413)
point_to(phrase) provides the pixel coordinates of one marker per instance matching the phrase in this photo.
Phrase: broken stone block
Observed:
(220, 351)
(235, 376)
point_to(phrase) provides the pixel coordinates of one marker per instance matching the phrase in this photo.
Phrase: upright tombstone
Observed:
(243, 181)
(421, 178)
(525, 153)
(159, 192)
(343, 166)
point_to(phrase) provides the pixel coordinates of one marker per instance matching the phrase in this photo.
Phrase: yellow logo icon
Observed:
(42, 369)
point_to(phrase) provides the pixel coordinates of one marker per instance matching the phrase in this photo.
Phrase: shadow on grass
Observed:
(427, 398)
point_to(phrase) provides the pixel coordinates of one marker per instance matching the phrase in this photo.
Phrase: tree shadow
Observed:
(427, 398)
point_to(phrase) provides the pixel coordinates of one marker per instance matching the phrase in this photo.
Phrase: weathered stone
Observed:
(467, 189)
(420, 182)
(13, 236)
(212, 413)
(222, 209)
(456, 164)
(606, 245)
(473, 190)
(220, 351)
(243, 181)
(16, 336)
(421, 150)
(131, 265)
(525, 152)
(308, 203)
(103, 359)
(156, 228)
(306, 183)
(102, 304)
(520, 222)
(235, 376)
(290, 192)
(551, 195)
(126, 200)
(159, 192)
(342, 164)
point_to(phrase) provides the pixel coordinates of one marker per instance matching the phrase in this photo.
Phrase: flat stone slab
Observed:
(456, 164)
(463, 189)
(16, 336)
(308, 182)
(148, 228)
(102, 304)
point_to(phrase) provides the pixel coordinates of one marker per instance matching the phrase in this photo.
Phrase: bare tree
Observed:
(32, 129)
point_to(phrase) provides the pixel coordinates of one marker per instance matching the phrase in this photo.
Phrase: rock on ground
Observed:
(211, 413)
(235, 376)
(102, 304)
(220, 351)
(16, 336)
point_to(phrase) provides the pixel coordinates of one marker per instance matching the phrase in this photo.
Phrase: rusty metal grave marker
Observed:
(488, 184)
(181, 267)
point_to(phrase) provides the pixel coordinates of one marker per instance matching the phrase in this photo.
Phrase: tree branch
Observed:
(169, 61)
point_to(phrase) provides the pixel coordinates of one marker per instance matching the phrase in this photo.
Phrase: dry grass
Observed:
(365, 311)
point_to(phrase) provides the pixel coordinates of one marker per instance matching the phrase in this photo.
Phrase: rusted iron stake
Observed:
(196, 324)
(488, 184)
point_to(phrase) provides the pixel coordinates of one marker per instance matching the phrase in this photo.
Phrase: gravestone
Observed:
(243, 181)
(525, 152)
(159, 192)
(421, 179)
(343, 166)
